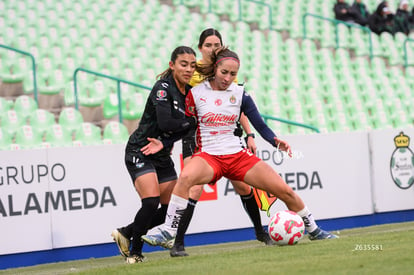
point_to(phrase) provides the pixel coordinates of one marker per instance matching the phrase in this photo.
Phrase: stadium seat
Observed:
(28, 138)
(50, 82)
(12, 72)
(134, 106)
(88, 134)
(41, 120)
(25, 106)
(71, 119)
(10, 121)
(57, 136)
(110, 106)
(115, 132)
(50, 85)
(91, 98)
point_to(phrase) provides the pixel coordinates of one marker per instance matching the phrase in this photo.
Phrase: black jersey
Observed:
(163, 117)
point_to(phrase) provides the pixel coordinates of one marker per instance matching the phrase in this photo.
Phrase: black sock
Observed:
(142, 221)
(159, 217)
(250, 205)
(127, 230)
(185, 222)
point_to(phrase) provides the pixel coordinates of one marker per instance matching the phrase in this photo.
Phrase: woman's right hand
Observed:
(154, 146)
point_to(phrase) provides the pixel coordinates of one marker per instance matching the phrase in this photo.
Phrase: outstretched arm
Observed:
(250, 110)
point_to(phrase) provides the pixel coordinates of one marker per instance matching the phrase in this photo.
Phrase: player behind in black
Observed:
(154, 176)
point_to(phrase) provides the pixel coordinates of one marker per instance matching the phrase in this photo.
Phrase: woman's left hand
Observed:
(154, 146)
(283, 146)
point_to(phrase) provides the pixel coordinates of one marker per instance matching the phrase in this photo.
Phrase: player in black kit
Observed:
(154, 175)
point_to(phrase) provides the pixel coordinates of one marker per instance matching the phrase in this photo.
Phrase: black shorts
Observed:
(138, 165)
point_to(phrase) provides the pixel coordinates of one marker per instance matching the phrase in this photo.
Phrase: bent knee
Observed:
(186, 179)
(287, 194)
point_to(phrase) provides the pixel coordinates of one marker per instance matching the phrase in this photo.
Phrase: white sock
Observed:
(175, 211)
(307, 217)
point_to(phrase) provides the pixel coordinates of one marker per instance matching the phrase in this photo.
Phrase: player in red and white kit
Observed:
(217, 104)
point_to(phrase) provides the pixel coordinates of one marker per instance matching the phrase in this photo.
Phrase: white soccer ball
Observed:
(286, 228)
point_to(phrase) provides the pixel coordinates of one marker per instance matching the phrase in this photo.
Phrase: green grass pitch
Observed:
(383, 249)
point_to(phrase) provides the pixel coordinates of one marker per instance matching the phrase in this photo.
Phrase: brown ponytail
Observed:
(208, 71)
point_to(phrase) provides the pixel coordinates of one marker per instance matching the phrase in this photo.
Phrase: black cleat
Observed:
(178, 251)
(264, 237)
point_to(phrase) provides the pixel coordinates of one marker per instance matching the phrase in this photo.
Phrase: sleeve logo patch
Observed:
(161, 94)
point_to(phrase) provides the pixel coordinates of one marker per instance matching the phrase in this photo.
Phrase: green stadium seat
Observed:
(90, 96)
(41, 120)
(58, 136)
(110, 106)
(28, 138)
(10, 121)
(71, 119)
(25, 106)
(88, 134)
(50, 82)
(115, 132)
(134, 106)
(11, 72)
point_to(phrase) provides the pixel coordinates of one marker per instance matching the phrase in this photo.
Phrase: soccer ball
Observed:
(286, 228)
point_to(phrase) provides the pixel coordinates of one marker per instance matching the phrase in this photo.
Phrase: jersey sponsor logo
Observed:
(161, 95)
(212, 119)
(218, 102)
(233, 99)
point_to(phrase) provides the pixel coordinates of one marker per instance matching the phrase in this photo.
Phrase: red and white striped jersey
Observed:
(217, 113)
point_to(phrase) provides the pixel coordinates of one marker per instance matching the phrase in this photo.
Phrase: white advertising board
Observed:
(393, 169)
(25, 221)
(60, 197)
(77, 196)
